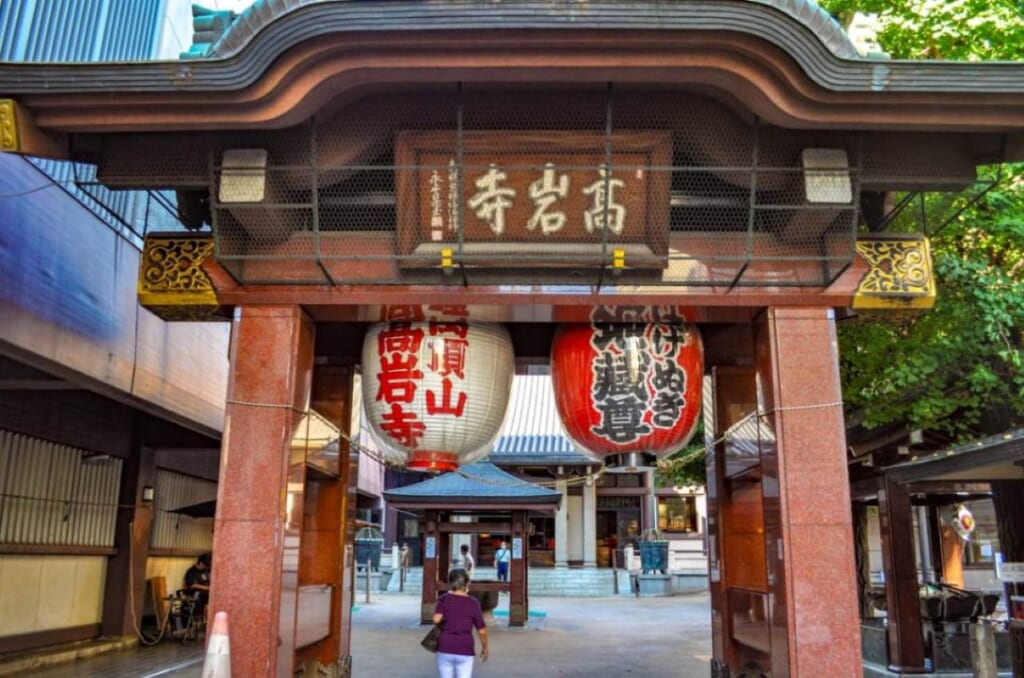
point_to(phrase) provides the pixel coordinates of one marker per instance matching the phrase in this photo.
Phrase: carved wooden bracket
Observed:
(19, 134)
(900, 277)
(172, 282)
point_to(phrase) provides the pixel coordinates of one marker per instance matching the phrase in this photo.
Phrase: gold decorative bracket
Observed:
(19, 134)
(10, 139)
(900, 277)
(172, 282)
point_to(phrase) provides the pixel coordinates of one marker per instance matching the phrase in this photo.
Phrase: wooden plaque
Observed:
(533, 197)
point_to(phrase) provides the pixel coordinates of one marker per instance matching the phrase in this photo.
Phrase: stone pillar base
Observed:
(654, 585)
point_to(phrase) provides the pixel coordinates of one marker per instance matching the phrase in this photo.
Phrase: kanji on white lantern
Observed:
(435, 393)
(628, 392)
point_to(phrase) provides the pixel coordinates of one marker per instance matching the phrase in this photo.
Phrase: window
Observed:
(677, 514)
(410, 528)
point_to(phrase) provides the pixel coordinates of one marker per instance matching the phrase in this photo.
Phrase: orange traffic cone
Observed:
(218, 649)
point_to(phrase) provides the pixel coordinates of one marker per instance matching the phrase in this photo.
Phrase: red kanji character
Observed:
(399, 313)
(457, 328)
(445, 406)
(399, 338)
(451, 359)
(454, 311)
(402, 426)
(398, 378)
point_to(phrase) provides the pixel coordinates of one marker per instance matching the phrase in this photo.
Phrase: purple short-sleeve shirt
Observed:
(461, 614)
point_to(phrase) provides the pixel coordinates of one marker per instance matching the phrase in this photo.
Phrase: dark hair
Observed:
(465, 548)
(204, 559)
(458, 579)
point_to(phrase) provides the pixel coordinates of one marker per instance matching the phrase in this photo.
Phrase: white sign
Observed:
(431, 548)
(1012, 572)
(517, 548)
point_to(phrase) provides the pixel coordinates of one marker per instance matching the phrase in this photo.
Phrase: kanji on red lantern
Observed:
(403, 426)
(451, 360)
(445, 405)
(399, 338)
(409, 312)
(397, 378)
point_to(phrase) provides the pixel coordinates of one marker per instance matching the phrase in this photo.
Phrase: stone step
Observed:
(564, 581)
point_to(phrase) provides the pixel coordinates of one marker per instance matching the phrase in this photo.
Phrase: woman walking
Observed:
(460, 614)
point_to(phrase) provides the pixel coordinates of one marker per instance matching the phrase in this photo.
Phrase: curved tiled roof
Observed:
(520, 14)
(482, 482)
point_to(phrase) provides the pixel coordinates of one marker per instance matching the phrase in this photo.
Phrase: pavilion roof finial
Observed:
(208, 27)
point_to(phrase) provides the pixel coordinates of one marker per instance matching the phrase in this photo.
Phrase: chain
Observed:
(569, 481)
(785, 408)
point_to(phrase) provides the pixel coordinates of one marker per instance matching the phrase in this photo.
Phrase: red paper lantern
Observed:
(628, 392)
(435, 393)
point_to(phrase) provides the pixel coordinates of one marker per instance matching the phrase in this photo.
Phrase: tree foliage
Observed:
(974, 30)
(958, 368)
(686, 467)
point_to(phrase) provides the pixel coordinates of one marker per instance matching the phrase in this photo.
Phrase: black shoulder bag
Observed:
(430, 640)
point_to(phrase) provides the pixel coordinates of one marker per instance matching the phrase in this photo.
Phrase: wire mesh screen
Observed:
(520, 185)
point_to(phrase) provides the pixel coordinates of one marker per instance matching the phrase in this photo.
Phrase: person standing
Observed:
(468, 563)
(503, 557)
(460, 614)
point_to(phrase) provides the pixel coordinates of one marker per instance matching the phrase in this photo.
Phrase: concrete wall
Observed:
(41, 593)
(68, 300)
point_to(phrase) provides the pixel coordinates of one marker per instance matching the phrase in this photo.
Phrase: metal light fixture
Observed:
(827, 176)
(243, 175)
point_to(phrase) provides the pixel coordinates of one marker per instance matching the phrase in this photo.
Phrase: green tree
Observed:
(974, 30)
(958, 368)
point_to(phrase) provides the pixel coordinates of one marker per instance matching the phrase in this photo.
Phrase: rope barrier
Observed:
(569, 481)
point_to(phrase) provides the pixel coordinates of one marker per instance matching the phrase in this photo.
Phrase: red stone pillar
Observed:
(815, 629)
(260, 497)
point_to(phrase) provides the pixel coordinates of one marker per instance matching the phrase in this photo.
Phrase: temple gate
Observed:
(730, 165)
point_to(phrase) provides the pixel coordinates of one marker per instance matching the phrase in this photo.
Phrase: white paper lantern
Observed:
(435, 393)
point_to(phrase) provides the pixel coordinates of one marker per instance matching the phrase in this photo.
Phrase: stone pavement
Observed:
(581, 637)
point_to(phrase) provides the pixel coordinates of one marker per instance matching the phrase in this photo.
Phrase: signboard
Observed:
(517, 548)
(1012, 572)
(430, 547)
(522, 189)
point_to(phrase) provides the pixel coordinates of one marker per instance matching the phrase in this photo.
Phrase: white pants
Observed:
(454, 665)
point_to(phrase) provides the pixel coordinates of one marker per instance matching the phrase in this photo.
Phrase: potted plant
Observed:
(369, 541)
(653, 551)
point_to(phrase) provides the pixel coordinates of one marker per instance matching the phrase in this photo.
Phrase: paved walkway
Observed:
(582, 637)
